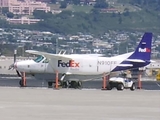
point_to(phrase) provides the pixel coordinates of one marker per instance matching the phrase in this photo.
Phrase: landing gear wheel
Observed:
(21, 83)
(73, 84)
(109, 87)
(50, 84)
(133, 87)
(65, 84)
(120, 87)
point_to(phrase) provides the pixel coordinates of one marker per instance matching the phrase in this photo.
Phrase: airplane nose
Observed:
(23, 65)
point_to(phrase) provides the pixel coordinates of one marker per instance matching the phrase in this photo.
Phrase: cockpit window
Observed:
(39, 59)
(46, 61)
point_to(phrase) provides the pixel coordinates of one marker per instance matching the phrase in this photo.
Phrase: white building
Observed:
(27, 7)
(23, 20)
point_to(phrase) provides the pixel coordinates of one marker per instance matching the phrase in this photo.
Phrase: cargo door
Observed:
(90, 65)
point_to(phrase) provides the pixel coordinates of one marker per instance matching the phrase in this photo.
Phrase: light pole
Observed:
(22, 50)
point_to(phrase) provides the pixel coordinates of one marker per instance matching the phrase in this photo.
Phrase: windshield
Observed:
(45, 61)
(39, 59)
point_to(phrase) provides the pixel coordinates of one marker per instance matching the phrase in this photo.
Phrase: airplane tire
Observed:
(65, 84)
(50, 84)
(109, 87)
(133, 87)
(21, 83)
(73, 84)
(120, 86)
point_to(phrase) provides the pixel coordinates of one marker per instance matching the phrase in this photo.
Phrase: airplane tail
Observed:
(143, 50)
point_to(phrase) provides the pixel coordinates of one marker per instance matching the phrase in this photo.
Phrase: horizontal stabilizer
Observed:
(135, 60)
(125, 65)
(152, 61)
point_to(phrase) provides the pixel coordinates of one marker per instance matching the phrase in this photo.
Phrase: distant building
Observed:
(56, 11)
(27, 6)
(4, 3)
(110, 10)
(88, 2)
(43, 1)
(23, 20)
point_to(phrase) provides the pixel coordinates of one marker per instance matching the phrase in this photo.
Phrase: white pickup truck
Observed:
(121, 83)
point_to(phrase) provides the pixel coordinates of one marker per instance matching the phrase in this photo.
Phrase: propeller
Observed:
(12, 66)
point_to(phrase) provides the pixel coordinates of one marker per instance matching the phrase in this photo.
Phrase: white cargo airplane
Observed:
(84, 67)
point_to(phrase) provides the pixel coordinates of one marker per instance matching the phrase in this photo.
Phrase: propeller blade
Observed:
(11, 67)
(15, 54)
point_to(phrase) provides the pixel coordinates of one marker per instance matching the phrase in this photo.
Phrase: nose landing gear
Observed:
(22, 82)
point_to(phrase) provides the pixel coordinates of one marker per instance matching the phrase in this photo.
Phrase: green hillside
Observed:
(140, 15)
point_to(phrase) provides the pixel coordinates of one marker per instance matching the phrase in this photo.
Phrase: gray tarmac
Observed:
(37, 102)
(14, 82)
(86, 104)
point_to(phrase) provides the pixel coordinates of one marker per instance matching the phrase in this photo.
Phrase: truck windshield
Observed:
(39, 59)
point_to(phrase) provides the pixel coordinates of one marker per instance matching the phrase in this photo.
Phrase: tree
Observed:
(11, 38)
(76, 2)
(120, 20)
(126, 12)
(65, 14)
(113, 14)
(63, 4)
(53, 1)
(41, 14)
(5, 10)
(101, 4)
(95, 11)
(10, 15)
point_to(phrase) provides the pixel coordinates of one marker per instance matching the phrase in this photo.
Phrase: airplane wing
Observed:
(49, 55)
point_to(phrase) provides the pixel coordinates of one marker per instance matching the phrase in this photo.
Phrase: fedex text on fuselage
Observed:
(70, 63)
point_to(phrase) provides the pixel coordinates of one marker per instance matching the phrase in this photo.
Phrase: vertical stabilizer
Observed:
(143, 50)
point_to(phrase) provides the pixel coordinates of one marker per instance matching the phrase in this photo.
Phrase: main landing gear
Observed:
(21, 83)
(67, 84)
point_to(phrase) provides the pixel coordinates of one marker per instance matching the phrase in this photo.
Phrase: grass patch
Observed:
(78, 8)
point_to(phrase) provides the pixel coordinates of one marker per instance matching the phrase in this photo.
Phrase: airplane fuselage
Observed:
(78, 65)
(81, 67)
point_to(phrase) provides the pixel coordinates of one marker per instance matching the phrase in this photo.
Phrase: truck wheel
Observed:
(120, 86)
(133, 87)
(109, 87)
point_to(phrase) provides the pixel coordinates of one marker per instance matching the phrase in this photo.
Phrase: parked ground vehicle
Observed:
(121, 83)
